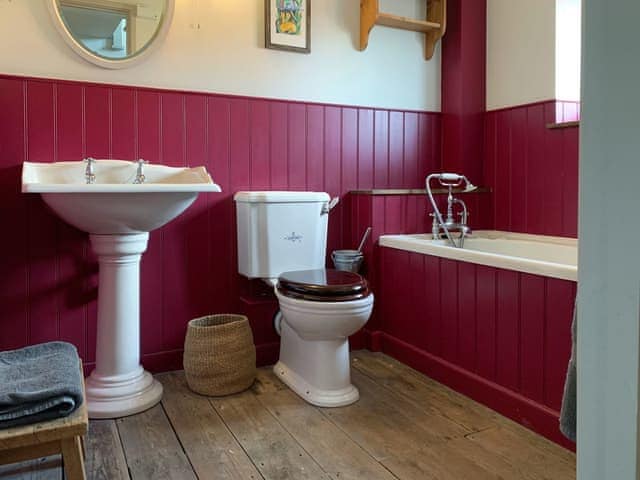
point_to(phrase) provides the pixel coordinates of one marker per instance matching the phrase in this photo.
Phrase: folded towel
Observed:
(37, 383)
(569, 399)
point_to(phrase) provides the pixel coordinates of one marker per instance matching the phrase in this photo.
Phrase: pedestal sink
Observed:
(118, 215)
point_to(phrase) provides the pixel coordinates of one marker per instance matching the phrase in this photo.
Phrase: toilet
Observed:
(282, 239)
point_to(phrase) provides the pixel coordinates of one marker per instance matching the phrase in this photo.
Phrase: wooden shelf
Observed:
(404, 23)
(433, 27)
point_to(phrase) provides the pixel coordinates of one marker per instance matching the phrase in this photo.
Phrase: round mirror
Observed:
(112, 33)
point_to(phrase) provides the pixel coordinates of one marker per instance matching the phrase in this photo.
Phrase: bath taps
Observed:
(140, 178)
(89, 174)
(448, 225)
(449, 222)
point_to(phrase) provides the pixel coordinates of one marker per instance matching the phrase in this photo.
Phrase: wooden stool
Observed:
(61, 436)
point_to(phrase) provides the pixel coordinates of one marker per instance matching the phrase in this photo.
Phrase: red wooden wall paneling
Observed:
(189, 268)
(123, 124)
(463, 87)
(279, 146)
(448, 309)
(467, 327)
(315, 148)
(532, 341)
(533, 170)
(297, 132)
(381, 149)
(507, 329)
(259, 134)
(14, 291)
(366, 148)
(97, 114)
(536, 173)
(486, 281)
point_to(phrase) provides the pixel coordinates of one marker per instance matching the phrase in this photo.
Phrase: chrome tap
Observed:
(140, 178)
(448, 225)
(89, 174)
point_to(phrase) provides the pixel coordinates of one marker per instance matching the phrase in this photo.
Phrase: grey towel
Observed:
(37, 383)
(569, 399)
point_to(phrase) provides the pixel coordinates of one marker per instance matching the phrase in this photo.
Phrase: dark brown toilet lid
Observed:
(323, 285)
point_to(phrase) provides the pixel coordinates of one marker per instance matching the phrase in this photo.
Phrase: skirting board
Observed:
(266, 354)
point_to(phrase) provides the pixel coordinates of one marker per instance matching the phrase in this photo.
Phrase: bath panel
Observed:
(499, 336)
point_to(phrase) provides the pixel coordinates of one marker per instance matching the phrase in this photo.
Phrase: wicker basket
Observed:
(219, 355)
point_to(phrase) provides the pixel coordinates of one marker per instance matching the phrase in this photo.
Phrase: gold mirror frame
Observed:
(103, 62)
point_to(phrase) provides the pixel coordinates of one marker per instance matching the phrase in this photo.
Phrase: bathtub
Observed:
(555, 257)
(491, 320)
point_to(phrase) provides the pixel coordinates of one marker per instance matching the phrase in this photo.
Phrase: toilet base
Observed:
(315, 396)
(319, 371)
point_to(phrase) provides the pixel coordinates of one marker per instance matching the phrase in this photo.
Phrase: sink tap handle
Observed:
(88, 172)
(140, 178)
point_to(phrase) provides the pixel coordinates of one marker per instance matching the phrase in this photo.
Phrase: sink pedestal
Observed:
(119, 386)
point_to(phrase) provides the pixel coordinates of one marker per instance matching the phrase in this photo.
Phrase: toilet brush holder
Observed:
(347, 260)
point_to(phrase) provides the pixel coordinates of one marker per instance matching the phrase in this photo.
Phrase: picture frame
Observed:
(288, 25)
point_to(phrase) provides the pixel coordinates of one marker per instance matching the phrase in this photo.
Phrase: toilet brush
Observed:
(364, 239)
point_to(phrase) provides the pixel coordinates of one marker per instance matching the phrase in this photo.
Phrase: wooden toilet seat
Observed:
(323, 285)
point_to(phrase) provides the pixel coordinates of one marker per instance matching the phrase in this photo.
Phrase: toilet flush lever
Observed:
(330, 206)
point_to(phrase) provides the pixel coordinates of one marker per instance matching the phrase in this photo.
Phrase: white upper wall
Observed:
(521, 46)
(568, 48)
(217, 46)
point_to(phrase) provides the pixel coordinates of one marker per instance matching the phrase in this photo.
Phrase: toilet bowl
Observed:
(320, 310)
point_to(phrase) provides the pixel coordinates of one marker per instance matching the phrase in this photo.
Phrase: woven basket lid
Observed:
(323, 285)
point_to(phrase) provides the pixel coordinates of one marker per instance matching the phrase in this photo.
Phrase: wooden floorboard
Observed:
(531, 456)
(403, 437)
(420, 390)
(151, 447)
(496, 443)
(47, 468)
(405, 426)
(274, 451)
(335, 452)
(104, 456)
(207, 442)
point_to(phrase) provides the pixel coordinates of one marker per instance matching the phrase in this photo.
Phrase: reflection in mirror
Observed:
(113, 29)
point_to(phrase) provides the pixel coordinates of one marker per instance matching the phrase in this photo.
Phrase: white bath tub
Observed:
(536, 254)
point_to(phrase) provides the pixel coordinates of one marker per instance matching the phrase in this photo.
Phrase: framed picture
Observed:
(288, 25)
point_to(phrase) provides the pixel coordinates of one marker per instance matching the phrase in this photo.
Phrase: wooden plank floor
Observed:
(405, 426)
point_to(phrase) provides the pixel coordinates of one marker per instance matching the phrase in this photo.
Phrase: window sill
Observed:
(554, 126)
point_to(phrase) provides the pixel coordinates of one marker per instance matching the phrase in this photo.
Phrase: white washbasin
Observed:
(114, 204)
(118, 215)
